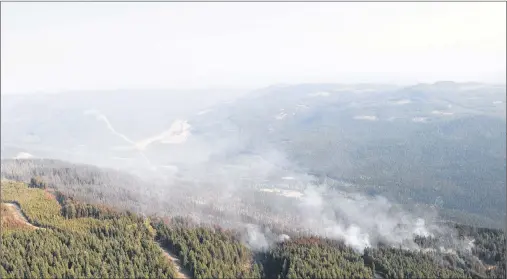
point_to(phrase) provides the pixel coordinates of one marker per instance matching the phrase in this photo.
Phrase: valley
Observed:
(198, 250)
(314, 180)
(253, 140)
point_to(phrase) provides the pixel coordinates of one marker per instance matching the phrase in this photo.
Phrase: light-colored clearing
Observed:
(439, 112)
(12, 215)
(23, 155)
(490, 267)
(281, 115)
(319, 94)
(178, 133)
(420, 119)
(180, 271)
(282, 192)
(366, 117)
(403, 102)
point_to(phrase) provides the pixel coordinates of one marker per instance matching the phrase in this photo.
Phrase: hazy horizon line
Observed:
(248, 88)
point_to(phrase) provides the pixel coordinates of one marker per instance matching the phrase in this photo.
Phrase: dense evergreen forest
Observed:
(84, 182)
(208, 253)
(73, 239)
(92, 244)
(314, 258)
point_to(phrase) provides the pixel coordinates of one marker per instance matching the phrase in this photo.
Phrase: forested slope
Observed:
(84, 182)
(120, 246)
(75, 239)
(208, 253)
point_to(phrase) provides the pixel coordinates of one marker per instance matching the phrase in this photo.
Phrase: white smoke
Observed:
(358, 220)
(251, 190)
(255, 238)
(223, 191)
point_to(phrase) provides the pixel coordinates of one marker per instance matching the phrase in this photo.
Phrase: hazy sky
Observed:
(84, 46)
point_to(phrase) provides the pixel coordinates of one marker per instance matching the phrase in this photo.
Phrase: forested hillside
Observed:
(62, 245)
(430, 144)
(314, 258)
(261, 140)
(208, 253)
(85, 182)
(71, 239)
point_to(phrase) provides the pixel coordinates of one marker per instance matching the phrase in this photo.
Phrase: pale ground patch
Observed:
(177, 134)
(281, 115)
(366, 117)
(403, 102)
(444, 113)
(282, 192)
(180, 271)
(420, 119)
(23, 155)
(13, 211)
(288, 178)
(319, 94)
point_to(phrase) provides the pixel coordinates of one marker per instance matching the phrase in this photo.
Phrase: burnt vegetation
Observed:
(75, 239)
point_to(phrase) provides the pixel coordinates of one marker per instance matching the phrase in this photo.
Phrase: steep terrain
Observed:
(118, 245)
(13, 218)
(311, 180)
(181, 273)
(431, 144)
(97, 241)
(421, 143)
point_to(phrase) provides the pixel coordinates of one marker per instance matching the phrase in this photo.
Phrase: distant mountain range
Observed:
(440, 144)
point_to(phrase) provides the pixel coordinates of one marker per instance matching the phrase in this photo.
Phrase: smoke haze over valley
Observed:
(320, 170)
(249, 140)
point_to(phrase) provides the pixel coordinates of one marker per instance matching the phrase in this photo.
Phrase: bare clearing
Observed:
(180, 271)
(13, 217)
